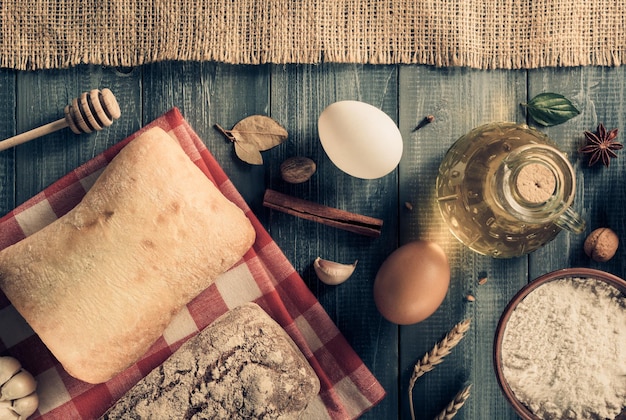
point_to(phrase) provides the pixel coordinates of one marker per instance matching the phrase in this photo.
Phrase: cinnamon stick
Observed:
(342, 219)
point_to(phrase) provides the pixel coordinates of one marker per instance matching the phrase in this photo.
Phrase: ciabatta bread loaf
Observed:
(242, 366)
(100, 284)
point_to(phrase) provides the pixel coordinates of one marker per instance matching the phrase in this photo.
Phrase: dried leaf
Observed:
(248, 153)
(253, 135)
(550, 109)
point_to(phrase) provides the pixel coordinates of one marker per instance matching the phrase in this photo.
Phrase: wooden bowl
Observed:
(521, 409)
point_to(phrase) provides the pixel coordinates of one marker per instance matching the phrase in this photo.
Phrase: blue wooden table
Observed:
(295, 95)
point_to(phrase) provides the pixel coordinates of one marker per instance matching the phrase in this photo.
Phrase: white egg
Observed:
(360, 139)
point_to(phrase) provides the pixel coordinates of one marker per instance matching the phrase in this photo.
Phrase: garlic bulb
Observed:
(20, 385)
(9, 366)
(7, 412)
(18, 398)
(27, 405)
(331, 272)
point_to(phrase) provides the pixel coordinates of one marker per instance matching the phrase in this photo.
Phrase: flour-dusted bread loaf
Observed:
(100, 284)
(242, 366)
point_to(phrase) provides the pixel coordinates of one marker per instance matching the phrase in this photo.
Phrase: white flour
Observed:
(564, 350)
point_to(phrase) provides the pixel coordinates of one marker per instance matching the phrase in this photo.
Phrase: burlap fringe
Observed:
(507, 34)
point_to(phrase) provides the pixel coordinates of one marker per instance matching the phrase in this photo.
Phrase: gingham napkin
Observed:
(264, 276)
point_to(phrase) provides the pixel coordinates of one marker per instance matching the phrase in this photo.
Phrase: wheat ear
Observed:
(436, 355)
(455, 405)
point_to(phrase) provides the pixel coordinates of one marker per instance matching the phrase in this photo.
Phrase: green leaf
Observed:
(550, 109)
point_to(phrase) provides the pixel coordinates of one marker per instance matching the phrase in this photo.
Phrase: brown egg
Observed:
(412, 282)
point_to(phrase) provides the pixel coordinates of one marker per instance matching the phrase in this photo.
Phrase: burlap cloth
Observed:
(486, 34)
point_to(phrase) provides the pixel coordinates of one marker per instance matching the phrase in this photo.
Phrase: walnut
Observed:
(601, 244)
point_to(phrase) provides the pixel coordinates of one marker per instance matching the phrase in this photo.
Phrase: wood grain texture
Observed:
(599, 94)
(295, 95)
(41, 99)
(209, 94)
(299, 95)
(460, 100)
(7, 129)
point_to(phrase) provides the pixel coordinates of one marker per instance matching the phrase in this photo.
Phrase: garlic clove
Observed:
(19, 386)
(331, 272)
(27, 405)
(9, 366)
(7, 412)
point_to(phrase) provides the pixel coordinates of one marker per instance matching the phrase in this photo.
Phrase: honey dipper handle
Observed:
(33, 134)
(91, 111)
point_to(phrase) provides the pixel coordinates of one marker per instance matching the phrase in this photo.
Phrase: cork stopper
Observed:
(535, 183)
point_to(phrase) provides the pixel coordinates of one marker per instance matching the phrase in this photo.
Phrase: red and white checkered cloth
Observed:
(264, 276)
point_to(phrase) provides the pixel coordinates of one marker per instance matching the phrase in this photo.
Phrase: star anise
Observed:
(601, 145)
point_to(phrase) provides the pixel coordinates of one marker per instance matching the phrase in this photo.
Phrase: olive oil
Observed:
(476, 190)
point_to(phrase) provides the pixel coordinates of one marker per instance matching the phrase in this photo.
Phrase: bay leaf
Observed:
(549, 109)
(253, 135)
(248, 153)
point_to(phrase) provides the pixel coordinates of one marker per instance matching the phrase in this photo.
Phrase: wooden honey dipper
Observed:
(91, 111)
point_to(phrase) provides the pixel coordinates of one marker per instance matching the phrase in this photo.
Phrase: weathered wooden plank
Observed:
(459, 99)
(599, 94)
(7, 129)
(42, 96)
(210, 93)
(299, 94)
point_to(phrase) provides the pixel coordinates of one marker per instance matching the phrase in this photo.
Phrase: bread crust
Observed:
(100, 284)
(242, 366)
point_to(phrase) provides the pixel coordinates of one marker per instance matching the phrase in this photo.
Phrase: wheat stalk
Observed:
(436, 355)
(455, 405)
